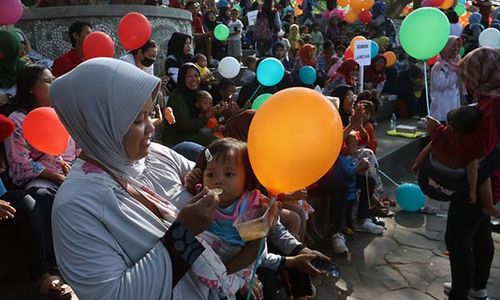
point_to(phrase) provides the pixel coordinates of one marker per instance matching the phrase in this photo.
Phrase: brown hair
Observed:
(220, 149)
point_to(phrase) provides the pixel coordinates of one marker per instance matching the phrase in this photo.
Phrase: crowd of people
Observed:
(141, 205)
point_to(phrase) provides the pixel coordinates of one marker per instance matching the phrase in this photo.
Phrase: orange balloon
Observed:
(343, 2)
(45, 132)
(446, 4)
(361, 5)
(351, 16)
(390, 57)
(354, 39)
(294, 139)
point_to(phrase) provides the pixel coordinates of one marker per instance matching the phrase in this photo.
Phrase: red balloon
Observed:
(98, 44)
(134, 31)
(45, 132)
(365, 16)
(427, 3)
(437, 3)
(6, 127)
(348, 54)
(432, 60)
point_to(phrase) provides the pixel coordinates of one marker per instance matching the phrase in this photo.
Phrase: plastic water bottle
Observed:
(393, 121)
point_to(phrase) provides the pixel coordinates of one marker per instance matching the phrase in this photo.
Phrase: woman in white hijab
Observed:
(115, 234)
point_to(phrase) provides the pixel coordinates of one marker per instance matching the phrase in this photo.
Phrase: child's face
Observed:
(202, 61)
(251, 66)
(204, 104)
(316, 28)
(279, 53)
(211, 17)
(366, 114)
(228, 93)
(234, 14)
(340, 52)
(229, 175)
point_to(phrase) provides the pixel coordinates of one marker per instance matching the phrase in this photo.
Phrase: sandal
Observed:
(53, 287)
(429, 210)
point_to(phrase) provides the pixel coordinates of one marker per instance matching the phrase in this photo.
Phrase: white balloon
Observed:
(490, 37)
(229, 67)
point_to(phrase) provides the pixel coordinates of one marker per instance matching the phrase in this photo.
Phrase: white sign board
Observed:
(362, 52)
(252, 17)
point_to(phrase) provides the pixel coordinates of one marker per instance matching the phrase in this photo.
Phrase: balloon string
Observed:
(256, 90)
(256, 265)
(426, 89)
(389, 178)
(257, 260)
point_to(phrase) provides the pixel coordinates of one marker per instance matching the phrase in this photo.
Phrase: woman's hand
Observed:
(191, 179)
(357, 117)
(295, 196)
(51, 176)
(6, 211)
(257, 292)
(363, 165)
(199, 212)
(65, 167)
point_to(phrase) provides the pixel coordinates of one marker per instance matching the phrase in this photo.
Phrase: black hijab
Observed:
(341, 92)
(187, 94)
(176, 49)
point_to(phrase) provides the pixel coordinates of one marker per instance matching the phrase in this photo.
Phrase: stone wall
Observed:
(47, 28)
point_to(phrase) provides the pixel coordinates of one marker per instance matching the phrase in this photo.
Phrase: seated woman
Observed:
(188, 121)
(38, 174)
(178, 53)
(143, 57)
(343, 76)
(374, 74)
(124, 228)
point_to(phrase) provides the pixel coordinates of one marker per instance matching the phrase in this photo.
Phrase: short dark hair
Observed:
(76, 27)
(249, 60)
(464, 119)
(340, 47)
(219, 149)
(327, 44)
(452, 16)
(26, 79)
(198, 56)
(224, 83)
(148, 45)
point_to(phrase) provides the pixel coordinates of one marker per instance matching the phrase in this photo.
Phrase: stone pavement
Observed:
(406, 263)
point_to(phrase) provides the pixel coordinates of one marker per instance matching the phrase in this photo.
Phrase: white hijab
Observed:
(97, 102)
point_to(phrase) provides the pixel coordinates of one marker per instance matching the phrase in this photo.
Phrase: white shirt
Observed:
(131, 60)
(456, 29)
(235, 26)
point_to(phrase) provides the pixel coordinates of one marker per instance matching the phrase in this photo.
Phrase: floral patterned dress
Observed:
(25, 162)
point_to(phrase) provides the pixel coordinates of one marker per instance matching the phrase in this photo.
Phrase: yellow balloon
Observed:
(343, 2)
(390, 57)
(361, 5)
(446, 4)
(354, 39)
(294, 139)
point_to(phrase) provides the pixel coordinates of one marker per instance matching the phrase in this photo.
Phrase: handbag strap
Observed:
(137, 195)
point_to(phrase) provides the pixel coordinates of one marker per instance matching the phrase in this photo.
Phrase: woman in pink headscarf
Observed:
(445, 94)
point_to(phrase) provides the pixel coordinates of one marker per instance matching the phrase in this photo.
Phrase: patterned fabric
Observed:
(481, 79)
(25, 162)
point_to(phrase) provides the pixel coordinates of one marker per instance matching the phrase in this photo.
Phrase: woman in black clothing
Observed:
(178, 53)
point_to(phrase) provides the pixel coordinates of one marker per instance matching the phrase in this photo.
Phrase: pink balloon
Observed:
(325, 15)
(10, 11)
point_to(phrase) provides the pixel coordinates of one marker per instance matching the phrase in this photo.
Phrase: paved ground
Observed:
(406, 263)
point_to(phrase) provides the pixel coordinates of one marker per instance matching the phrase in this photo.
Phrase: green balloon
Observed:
(460, 9)
(461, 51)
(424, 32)
(221, 32)
(260, 100)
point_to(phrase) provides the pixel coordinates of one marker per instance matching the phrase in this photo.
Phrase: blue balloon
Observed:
(222, 3)
(410, 197)
(270, 71)
(307, 75)
(374, 48)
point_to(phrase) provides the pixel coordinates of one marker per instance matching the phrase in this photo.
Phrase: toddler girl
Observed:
(203, 103)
